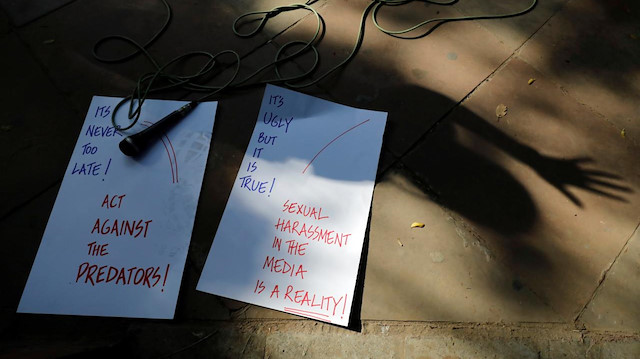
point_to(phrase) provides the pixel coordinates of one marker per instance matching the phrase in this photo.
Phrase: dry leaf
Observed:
(400, 243)
(6, 128)
(531, 80)
(501, 111)
(50, 41)
(623, 133)
(633, 36)
(417, 225)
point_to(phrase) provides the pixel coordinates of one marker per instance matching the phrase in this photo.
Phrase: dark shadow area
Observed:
(602, 48)
(355, 317)
(473, 185)
(562, 173)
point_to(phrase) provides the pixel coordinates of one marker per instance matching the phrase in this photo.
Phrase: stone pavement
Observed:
(531, 247)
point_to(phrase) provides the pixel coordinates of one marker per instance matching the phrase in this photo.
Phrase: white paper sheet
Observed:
(118, 235)
(291, 235)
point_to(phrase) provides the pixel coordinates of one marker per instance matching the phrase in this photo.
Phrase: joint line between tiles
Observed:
(560, 87)
(604, 274)
(19, 206)
(434, 126)
(439, 121)
(514, 54)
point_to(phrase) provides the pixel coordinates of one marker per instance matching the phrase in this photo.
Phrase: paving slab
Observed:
(332, 345)
(37, 130)
(513, 31)
(416, 81)
(23, 230)
(502, 177)
(234, 125)
(437, 273)
(447, 347)
(615, 305)
(594, 59)
(58, 40)
(22, 12)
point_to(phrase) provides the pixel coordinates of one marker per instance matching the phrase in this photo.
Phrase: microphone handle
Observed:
(135, 144)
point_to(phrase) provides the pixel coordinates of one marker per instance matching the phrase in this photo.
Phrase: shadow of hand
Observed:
(562, 173)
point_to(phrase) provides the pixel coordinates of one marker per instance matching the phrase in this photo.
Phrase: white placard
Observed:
(291, 234)
(118, 235)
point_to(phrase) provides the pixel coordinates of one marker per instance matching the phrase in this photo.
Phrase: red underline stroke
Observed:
(332, 141)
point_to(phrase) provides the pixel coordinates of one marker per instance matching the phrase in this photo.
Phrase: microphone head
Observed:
(134, 145)
(128, 147)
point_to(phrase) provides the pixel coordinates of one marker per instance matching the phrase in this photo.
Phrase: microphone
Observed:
(136, 144)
